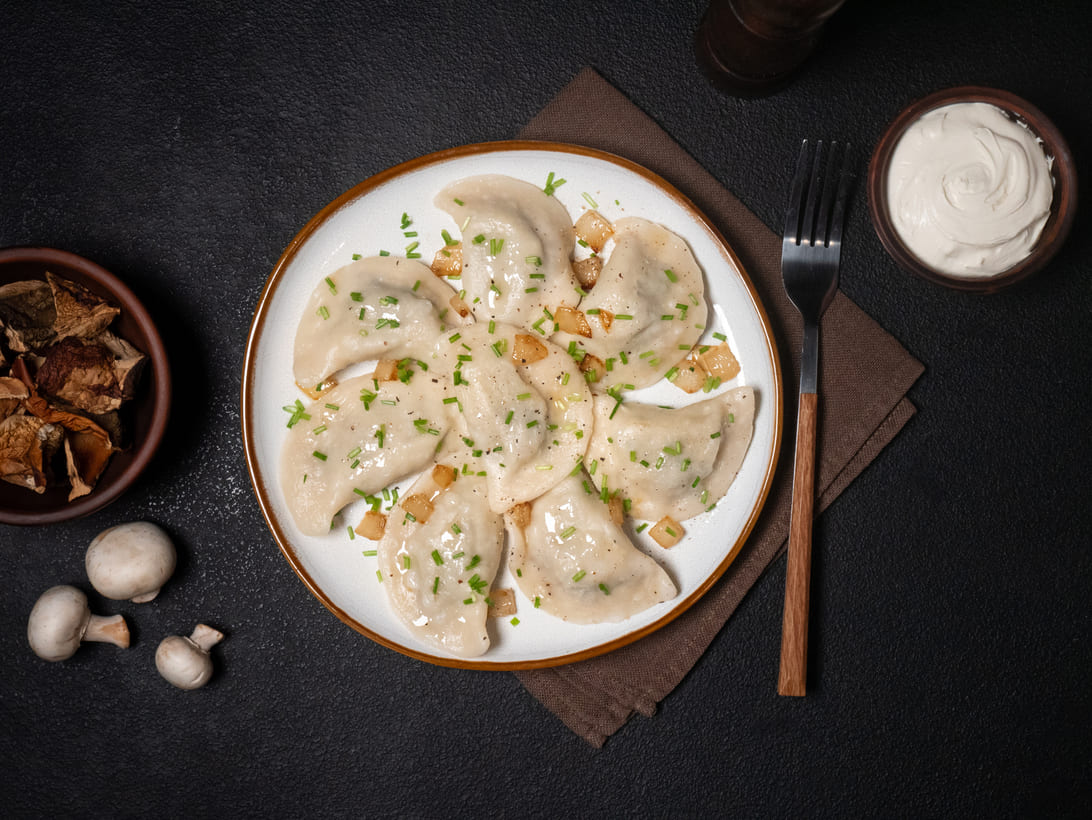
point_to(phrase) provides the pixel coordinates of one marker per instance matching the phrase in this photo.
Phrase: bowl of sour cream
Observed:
(972, 188)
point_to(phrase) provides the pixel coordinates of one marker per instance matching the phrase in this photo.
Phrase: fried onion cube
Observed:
(719, 362)
(666, 532)
(502, 602)
(595, 229)
(688, 376)
(572, 320)
(448, 261)
(587, 271)
(373, 525)
(527, 349)
(617, 509)
(605, 317)
(520, 514)
(443, 476)
(419, 506)
(592, 367)
(459, 305)
(386, 370)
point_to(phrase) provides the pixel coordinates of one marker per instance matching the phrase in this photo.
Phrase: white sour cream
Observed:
(969, 190)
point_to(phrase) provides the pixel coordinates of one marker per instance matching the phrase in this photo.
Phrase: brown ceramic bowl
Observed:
(1062, 208)
(145, 416)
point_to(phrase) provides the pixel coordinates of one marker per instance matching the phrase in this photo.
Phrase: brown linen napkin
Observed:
(865, 376)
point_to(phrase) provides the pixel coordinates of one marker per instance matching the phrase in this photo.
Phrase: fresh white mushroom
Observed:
(130, 561)
(185, 662)
(61, 619)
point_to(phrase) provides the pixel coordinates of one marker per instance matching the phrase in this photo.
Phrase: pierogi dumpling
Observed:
(671, 461)
(437, 572)
(361, 436)
(573, 562)
(530, 423)
(647, 308)
(383, 307)
(517, 245)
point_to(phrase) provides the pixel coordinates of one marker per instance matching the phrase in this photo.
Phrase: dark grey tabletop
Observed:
(182, 145)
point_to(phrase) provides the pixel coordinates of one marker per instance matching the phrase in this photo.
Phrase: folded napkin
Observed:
(865, 374)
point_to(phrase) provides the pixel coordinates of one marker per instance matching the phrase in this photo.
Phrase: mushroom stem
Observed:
(206, 637)
(112, 629)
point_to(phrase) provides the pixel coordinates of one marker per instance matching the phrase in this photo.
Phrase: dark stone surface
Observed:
(182, 145)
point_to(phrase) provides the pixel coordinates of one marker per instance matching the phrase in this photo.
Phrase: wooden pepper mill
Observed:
(752, 47)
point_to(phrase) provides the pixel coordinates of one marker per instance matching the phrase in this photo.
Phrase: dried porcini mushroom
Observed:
(95, 375)
(27, 315)
(65, 379)
(79, 312)
(27, 445)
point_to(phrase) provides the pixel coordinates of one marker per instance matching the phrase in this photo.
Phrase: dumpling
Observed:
(383, 307)
(671, 461)
(517, 245)
(576, 564)
(529, 423)
(358, 438)
(438, 564)
(647, 308)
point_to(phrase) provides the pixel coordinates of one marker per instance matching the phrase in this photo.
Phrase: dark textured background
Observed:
(182, 145)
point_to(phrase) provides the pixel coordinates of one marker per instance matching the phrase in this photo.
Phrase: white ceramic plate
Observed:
(367, 219)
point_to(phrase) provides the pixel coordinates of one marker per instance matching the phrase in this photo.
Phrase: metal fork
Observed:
(810, 251)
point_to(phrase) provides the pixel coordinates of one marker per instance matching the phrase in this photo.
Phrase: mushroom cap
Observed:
(183, 663)
(130, 561)
(57, 623)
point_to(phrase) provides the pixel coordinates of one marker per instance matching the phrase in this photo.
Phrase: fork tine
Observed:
(808, 227)
(796, 195)
(843, 197)
(823, 227)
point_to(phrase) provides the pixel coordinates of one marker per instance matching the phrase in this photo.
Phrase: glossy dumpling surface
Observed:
(517, 245)
(671, 461)
(357, 439)
(383, 307)
(437, 573)
(652, 290)
(529, 423)
(577, 564)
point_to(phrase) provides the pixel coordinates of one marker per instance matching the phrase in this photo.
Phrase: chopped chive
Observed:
(623, 316)
(319, 456)
(330, 284)
(323, 311)
(538, 602)
(720, 337)
(514, 622)
(589, 200)
(319, 430)
(437, 559)
(579, 575)
(477, 240)
(552, 184)
(568, 533)
(534, 260)
(670, 274)
(474, 561)
(508, 418)
(603, 588)
(435, 584)
(356, 256)
(298, 412)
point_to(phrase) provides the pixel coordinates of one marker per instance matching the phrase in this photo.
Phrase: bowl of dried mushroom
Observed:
(84, 386)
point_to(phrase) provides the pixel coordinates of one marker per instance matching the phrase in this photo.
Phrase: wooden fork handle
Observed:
(794, 628)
